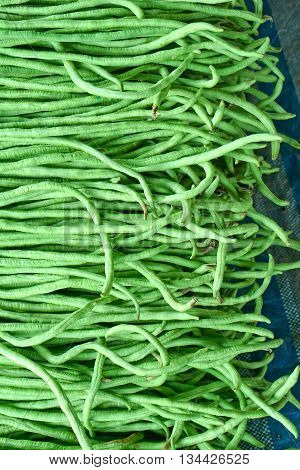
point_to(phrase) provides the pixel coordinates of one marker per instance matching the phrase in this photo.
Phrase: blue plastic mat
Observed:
(282, 300)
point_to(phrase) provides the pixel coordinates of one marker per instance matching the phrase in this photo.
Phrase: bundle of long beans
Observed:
(131, 136)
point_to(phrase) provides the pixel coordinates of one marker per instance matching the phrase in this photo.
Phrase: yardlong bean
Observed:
(131, 283)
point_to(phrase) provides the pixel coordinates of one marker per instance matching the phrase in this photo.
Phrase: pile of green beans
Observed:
(131, 144)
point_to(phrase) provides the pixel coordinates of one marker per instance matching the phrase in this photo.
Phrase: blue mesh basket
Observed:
(282, 300)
